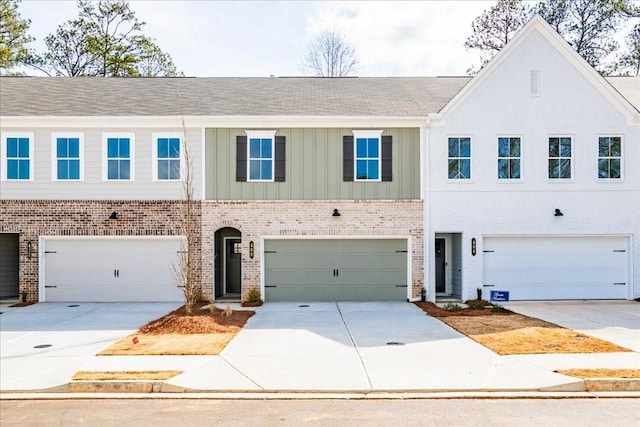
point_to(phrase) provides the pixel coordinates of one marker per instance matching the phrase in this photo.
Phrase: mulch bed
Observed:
(200, 321)
(433, 310)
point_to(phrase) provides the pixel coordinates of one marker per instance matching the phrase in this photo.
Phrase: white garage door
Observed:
(536, 268)
(113, 269)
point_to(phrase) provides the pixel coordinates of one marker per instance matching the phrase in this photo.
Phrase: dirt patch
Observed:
(601, 373)
(124, 375)
(22, 304)
(506, 333)
(204, 332)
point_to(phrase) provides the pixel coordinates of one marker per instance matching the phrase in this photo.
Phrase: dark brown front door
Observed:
(441, 286)
(233, 272)
(9, 265)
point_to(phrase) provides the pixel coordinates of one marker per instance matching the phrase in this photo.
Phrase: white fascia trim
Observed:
(259, 122)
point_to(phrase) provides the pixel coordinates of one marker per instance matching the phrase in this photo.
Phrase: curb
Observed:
(156, 387)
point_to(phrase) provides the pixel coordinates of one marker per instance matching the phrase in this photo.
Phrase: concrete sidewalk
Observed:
(286, 347)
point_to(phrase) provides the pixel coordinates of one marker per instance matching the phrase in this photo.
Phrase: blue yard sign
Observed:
(500, 296)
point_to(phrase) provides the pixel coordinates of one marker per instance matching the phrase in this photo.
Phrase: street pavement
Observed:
(309, 347)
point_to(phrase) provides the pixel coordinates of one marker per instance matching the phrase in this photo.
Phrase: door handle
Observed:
(337, 273)
(116, 273)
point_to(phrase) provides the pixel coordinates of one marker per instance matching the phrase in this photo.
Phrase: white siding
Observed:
(567, 104)
(93, 187)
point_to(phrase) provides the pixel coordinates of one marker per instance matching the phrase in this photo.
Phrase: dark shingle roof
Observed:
(287, 96)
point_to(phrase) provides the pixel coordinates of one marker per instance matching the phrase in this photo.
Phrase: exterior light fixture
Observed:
(335, 213)
(251, 249)
(473, 246)
(29, 249)
(558, 213)
(114, 215)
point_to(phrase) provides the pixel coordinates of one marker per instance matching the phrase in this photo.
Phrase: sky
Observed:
(262, 38)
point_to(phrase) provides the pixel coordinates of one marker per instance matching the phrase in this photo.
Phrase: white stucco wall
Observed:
(502, 105)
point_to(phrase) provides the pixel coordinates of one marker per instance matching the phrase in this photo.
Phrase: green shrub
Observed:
(451, 307)
(253, 295)
(475, 304)
(497, 308)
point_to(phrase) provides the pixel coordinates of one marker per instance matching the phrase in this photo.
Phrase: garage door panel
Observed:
(114, 269)
(335, 270)
(556, 267)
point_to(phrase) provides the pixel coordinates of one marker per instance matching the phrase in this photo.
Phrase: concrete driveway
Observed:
(285, 346)
(70, 335)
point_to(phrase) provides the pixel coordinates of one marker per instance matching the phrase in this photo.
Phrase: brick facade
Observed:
(35, 218)
(257, 219)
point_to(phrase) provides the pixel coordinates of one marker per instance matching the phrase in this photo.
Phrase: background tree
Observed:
(494, 28)
(588, 25)
(330, 55)
(13, 36)
(629, 62)
(105, 40)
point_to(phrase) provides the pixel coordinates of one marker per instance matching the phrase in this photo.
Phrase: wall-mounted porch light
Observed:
(251, 249)
(558, 213)
(335, 213)
(473, 246)
(29, 249)
(114, 215)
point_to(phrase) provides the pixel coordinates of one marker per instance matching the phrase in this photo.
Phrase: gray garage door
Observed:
(336, 270)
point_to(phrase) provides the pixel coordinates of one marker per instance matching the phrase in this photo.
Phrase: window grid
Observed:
(609, 157)
(260, 159)
(509, 158)
(367, 159)
(18, 158)
(560, 154)
(68, 158)
(118, 158)
(459, 157)
(168, 158)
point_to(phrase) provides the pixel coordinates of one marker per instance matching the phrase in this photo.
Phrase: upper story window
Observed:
(118, 157)
(459, 158)
(609, 157)
(260, 155)
(17, 157)
(509, 157)
(367, 155)
(67, 152)
(167, 151)
(560, 155)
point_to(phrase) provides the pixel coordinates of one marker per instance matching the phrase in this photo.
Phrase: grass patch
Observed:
(124, 375)
(204, 332)
(506, 333)
(601, 373)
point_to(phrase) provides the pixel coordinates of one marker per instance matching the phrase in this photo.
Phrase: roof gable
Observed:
(538, 25)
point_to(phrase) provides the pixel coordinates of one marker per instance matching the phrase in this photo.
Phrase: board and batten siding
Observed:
(93, 187)
(313, 167)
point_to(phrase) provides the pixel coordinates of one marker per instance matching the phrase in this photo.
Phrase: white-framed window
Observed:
(17, 156)
(560, 157)
(67, 154)
(118, 152)
(367, 149)
(167, 156)
(260, 155)
(459, 157)
(509, 157)
(610, 157)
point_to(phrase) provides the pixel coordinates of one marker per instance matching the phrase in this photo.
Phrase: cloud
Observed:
(403, 38)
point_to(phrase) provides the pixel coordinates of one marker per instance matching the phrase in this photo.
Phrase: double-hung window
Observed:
(509, 157)
(167, 157)
(560, 157)
(368, 162)
(118, 157)
(459, 157)
(260, 155)
(609, 157)
(67, 152)
(17, 157)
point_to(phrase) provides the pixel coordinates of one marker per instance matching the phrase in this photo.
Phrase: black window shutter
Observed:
(279, 170)
(387, 171)
(241, 158)
(347, 158)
